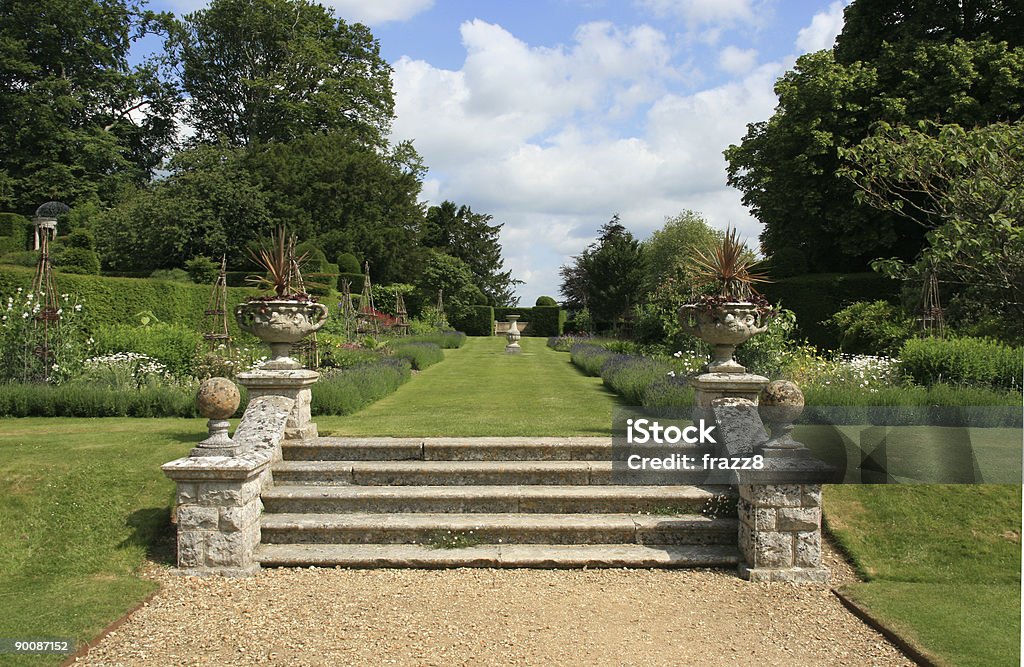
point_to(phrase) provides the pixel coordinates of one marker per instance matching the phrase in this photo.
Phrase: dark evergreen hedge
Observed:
(815, 297)
(544, 320)
(14, 232)
(479, 323)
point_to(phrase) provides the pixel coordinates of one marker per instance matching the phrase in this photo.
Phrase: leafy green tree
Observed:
(668, 249)
(345, 196)
(608, 277)
(207, 206)
(966, 188)
(77, 121)
(459, 232)
(274, 70)
(924, 65)
(455, 279)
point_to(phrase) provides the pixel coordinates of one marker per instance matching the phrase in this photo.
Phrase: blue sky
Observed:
(554, 115)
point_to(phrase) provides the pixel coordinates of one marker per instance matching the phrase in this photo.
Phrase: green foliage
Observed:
(786, 166)
(630, 376)
(766, 353)
(669, 250)
(87, 400)
(273, 70)
(581, 322)
(608, 277)
(69, 91)
(815, 298)
(24, 337)
(787, 261)
(176, 346)
(119, 300)
(966, 186)
(970, 361)
(469, 236)
(343, 391)
(875, 327)
(590, 357)
(202, 270)
(14, 233)
(21, 258)
(545, 301)
(446, 340)
(544, 321)
(172, 275)
(454, 277)
(77, 260)
(479, 321)
(355, 282)
(349, 263)
(420, 354)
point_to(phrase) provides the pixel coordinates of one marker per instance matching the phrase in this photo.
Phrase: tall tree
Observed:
(459, 232)
(263, 71)
(668, 249)
(77, 121)
(608, 277)
(786, 167)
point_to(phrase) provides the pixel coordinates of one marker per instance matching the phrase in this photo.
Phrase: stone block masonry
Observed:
(780, 533)
(218, 502)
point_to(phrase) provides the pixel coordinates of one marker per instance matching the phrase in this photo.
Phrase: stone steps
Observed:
(505, 528)
(491, 499)
(454, 473)
(496, 555)
(503, 502)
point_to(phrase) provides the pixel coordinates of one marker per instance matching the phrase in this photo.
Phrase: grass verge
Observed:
(942, 565)
(83, 504)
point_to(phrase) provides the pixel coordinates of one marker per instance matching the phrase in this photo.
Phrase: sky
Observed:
(554, 115)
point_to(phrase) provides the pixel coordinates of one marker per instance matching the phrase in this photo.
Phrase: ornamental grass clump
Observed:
(728, 266)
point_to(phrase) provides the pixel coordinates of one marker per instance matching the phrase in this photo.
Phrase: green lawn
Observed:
(480, 390)
(942, 563)
(82, 505)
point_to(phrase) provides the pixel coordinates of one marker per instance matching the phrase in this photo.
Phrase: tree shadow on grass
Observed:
(152, 529)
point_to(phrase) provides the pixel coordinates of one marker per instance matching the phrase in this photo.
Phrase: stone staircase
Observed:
(483, 502)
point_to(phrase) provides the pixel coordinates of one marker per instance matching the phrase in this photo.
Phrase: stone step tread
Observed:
(497, 555)
(456, 449)
(477, 521)
(500, 491)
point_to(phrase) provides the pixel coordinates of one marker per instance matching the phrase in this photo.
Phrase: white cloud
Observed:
(737, 61)
(824, 27)
(535, 136)
(376, 12)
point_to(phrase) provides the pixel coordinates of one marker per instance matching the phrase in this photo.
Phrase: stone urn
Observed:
(723, 326)
(513, 335)
(280, 323)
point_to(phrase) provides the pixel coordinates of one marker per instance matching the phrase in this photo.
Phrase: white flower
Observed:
(60, 311)
(78, 307)
(24, 316)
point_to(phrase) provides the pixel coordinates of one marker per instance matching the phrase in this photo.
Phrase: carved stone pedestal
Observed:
(293, 384)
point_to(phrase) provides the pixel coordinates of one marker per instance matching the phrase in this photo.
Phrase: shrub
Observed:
(786, 262)
(78, 260)
(349, 263)
(202, 270)
(171, 275)
(175, 346)
(420, 354)
(21, 258)
(564, 343)
(972, 361)
(446, 340)
(630, 376)
(86, 400)
(546, 301)
(589, 357)
(479, 321)
(15, 231)
(670, 391)
(875, 327)
(343, 391)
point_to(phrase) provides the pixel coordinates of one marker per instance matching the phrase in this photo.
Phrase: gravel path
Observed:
(299, 617)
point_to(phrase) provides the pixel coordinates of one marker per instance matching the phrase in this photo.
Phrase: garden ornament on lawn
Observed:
(513, 336)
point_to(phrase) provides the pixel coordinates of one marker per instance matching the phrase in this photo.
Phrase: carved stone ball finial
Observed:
(218, 398)
(781, 403)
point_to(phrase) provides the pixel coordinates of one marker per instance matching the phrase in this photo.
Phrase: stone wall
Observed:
(780, 532)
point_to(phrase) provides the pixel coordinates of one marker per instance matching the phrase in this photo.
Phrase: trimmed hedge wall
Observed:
(480, 323)
(815, 297)
(14, 232)
(544, 321)
(118, 300)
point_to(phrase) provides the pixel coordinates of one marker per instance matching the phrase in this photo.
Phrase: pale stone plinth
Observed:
(218, 502)
(293, 384)
(780, 533)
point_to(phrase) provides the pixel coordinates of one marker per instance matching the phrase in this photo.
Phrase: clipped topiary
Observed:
(545, 301)
(202, 270)
(349, 263)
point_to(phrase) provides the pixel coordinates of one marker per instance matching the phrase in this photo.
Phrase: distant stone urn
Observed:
(723, 326)
(280, 323)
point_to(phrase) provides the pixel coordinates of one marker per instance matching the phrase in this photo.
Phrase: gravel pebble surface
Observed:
(312, 616)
